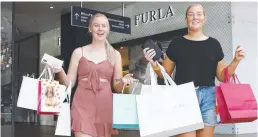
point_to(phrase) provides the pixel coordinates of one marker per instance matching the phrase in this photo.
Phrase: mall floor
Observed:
(27, 130)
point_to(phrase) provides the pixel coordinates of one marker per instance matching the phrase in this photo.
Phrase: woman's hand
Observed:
(149, 54)
(239, 54)
(54, 69)
(128, 79)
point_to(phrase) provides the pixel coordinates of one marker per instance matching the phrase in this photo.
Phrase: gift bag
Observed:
(167, 110)
(125, 111)
(63, 126)
(236, 101)
(28, 95)
(50, 96)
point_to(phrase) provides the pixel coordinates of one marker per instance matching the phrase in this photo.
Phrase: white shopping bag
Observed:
(28, 96)
(125, 111)
(167, 110)
(63, 126)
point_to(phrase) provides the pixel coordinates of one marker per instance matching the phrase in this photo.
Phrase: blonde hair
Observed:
(110, 51)
(194, 5)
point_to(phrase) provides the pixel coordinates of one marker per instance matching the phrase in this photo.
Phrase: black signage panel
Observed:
(80, 17)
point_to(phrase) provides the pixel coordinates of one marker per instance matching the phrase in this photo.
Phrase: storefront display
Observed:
(6, 69)
(125, 62)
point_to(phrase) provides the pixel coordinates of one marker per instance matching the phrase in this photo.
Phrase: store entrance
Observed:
(132, 54)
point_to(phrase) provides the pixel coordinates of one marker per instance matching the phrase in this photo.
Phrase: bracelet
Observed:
(156, 68)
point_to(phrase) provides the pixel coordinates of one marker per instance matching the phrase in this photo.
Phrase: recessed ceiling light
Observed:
(51, 7)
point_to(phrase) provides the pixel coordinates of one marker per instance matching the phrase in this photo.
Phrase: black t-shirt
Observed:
(195, 60)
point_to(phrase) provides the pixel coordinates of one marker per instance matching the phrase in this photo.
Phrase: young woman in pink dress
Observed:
(98, 66)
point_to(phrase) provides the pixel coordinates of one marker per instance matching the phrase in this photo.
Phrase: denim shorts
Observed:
(207, 101)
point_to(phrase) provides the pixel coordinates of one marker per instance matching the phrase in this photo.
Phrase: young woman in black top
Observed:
(197, 58)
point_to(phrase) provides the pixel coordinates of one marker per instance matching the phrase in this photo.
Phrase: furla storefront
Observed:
(226, 21)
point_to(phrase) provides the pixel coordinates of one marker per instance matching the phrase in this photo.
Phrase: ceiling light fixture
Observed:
(51, 7)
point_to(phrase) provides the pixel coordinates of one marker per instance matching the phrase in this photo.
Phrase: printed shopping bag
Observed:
(50, 95)
(163, 110)
(63, 126)
(236, 101)
(125, 111)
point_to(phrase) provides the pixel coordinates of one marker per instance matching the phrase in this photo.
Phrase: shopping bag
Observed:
(236, 101)
(50, 96)
(28, 95)
(125, 111)
(63, 126)
(167, 110)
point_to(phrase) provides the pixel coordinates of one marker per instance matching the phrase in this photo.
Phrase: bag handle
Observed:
(167, 79)
(68, 92)
(227, 77)
(137, 81)
(46, 71)
(153, 76)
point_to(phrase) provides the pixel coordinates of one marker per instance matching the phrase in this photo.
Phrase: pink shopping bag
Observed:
(236, 101)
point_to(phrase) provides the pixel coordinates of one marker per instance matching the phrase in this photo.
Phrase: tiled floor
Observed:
(26, 130)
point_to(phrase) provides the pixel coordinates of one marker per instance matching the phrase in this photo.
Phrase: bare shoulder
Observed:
(77, 53)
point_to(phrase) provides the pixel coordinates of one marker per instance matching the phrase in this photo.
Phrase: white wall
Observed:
(244, 31)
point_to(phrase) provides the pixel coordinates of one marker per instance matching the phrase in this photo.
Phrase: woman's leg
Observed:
(207, 98)
(188, 134)
(208, 131)
(81, 134)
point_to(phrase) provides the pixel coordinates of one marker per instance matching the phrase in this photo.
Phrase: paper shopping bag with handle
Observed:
(163, 110)
(28, 95)
(50, 95)
(63, 126)
(125, 111)
(236, 101)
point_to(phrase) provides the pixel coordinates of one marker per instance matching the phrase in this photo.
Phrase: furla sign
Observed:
(154, 15)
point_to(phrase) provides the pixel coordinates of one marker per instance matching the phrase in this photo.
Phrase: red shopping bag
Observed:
(236, 101)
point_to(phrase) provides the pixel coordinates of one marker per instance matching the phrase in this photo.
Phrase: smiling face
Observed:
(195, 17)
(99, 27)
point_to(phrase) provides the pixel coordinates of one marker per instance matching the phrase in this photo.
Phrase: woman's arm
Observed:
(239, 55)
(72, 70)
(221, 68)
(168, 65)
(118, 73)
(118, 80)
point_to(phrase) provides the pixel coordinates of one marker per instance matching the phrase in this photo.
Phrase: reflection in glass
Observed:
(6, 70)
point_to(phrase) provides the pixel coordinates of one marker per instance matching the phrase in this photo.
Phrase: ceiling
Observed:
(38, 17)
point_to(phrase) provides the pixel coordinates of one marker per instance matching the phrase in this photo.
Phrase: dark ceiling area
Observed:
(37, 17)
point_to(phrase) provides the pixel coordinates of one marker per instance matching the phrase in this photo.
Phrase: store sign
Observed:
(154, 15)
(80, 17)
